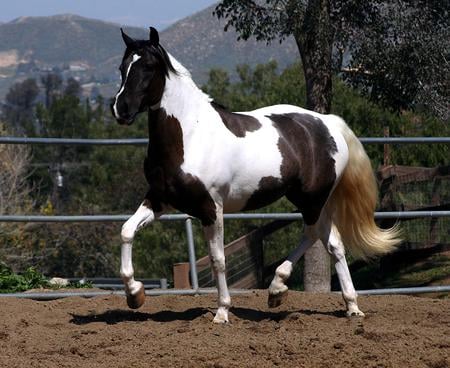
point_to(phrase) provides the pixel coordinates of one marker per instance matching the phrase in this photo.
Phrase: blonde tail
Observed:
(353, 204)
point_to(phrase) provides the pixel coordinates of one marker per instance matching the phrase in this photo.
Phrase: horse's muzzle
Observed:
(122, 120)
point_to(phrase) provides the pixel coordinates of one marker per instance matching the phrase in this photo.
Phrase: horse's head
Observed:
(144, 68)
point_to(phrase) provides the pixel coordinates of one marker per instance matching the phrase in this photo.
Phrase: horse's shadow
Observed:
(258, 315)
(116, 316)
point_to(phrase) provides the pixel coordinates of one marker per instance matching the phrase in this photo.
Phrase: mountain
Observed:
(91, 50)
(200, 43)
(74, 46)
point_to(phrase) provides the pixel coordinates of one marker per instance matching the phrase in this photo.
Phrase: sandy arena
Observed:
(176, 331)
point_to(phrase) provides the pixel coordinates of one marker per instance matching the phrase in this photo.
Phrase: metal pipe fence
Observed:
(144, 141)
(42, 296)
(187, 218)
(228, 216)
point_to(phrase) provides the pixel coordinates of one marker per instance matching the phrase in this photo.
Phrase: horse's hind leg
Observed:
(214, 237)
(336, 248)
(278, 289)
(134, 289)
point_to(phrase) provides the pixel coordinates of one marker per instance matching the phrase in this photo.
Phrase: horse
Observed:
(205, 161)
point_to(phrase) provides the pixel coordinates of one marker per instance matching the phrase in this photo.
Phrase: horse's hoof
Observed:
(135, 301)
(353, 310)
(221, 316)
(275, 300)
(355, 313)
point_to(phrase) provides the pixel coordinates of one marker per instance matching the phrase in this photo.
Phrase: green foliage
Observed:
(427, 270)
(258, 87)
(396, 52)
(11, 282)
(19, 105)
(400, 59)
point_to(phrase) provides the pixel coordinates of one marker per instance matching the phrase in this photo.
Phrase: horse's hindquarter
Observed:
(303, 158)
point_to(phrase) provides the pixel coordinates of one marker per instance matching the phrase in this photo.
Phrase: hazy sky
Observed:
(141, 13)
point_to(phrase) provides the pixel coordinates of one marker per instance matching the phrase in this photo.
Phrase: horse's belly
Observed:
(268, 190)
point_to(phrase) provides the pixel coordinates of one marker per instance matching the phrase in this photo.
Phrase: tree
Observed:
(396, 51)
(14, 189)
(18, 110)
(52, 83)
(310, 25)
(400, 57)
(72, 88)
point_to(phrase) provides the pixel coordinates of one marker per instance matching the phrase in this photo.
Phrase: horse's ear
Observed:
(127, 39)
(154, 37)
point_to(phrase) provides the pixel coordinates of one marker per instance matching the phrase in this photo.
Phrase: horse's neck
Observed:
(177, 117)
(182, 99)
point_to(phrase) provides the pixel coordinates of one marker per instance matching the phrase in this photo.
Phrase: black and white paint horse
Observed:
(205, 161)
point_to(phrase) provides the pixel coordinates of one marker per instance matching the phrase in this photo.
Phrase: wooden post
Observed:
(181, 276)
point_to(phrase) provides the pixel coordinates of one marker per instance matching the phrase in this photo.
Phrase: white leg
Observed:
(336, 248)
(278, 289)
(134, 289)
(214, 237)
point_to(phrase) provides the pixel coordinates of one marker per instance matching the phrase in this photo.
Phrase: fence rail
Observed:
(204, 291)
(229, 216)
(117, 284)
(144, 141)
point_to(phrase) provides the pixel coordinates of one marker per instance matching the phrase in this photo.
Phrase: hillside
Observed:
(91, 49)
(72, 45)
(200, 43)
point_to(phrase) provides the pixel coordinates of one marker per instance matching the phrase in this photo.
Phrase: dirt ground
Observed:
(176, 331)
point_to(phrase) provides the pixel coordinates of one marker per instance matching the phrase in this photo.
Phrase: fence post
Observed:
(192, 258)
(181, 276)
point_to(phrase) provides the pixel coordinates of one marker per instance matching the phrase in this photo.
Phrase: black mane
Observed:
(161, 54)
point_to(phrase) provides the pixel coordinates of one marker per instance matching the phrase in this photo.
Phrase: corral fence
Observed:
(246, 268)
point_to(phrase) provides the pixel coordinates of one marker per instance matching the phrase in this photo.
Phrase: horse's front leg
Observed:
(134, 289)
(214, 237)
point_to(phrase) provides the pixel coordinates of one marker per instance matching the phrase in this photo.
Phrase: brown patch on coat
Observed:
(308, 167)
(169, 184)
(269, 190)
(238, 124)
(307, 170)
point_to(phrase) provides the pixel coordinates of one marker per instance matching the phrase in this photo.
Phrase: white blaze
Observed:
(136, 57)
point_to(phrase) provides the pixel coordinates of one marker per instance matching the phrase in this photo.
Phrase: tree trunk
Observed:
(316, 269)
(314, 40)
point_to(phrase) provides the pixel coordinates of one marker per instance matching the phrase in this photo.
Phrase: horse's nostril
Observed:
(119, 110)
